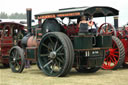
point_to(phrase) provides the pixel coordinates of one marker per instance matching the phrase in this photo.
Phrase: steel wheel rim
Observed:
(111, 58)
(15, 60)
(52, 55)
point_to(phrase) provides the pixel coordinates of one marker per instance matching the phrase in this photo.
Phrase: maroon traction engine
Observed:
(10, 34)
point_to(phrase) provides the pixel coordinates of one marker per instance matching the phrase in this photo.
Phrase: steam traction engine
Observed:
(57, 47)
(10, 34)
(116, 56)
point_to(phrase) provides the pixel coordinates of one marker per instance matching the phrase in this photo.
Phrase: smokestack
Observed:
(116, 22)
(29, 19)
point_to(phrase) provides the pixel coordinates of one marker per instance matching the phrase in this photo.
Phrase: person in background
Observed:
(84, 25)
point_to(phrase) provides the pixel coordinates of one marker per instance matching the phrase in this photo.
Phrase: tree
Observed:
(3, 15)
(17, 16)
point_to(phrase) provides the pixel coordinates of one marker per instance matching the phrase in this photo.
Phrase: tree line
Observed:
(16, 15)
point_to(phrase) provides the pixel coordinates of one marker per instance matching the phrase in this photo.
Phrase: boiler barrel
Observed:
(32, 42)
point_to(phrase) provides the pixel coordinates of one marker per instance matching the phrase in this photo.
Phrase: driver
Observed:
(84, 24)
(93, 28)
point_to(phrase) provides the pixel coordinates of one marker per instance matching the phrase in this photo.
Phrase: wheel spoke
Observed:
(115, 49)
(113, 45)
(12, 54)
(46, 46)
(18, 64)
(59, 48)
(12, 62)
(59, 65)
(60, 60)
(15, 65)
(103, 30)
(48, 63)
(51, 40)
(53, 67)
(60, 54)
(44, 55)
(109, 63)
(107, 28)
(116, 52)
(111, 32)
(56, 45)
(112, 60)
(115, 55)
(16, 54)
(19, 58)
(56, 63)
(105, 59)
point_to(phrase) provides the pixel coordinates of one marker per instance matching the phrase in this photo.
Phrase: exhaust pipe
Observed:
(116, 22)
(29, 34)
(29, 19)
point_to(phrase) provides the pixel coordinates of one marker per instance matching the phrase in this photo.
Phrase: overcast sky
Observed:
(11, 6)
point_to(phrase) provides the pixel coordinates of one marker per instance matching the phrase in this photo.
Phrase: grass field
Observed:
(33, 76)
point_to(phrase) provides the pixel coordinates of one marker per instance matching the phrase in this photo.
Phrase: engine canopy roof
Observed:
(75, 12)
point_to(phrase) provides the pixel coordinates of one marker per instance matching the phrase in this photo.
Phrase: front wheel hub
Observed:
(52, 55)
(14, 59)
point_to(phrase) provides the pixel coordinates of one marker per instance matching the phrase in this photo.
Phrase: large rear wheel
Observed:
(56, 54)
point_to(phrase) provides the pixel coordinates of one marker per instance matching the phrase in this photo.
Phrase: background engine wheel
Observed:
(114, 57)
(16, 59)
(56, 54)
(106, 28)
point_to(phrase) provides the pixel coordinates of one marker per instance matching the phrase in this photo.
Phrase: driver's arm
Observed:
(90, 23)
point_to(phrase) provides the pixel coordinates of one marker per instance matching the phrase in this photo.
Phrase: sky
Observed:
(12, 6)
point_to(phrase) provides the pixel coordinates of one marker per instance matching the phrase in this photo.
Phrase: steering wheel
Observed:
(105, 29)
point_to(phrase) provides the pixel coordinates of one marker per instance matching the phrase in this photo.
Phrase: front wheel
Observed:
(16, 59)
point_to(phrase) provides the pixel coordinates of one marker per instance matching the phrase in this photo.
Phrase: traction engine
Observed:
(57, 47)
(10, 34)
(116, 56)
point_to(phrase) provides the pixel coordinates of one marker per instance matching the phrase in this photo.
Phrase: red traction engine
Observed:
(116, 56)
(10, 34)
